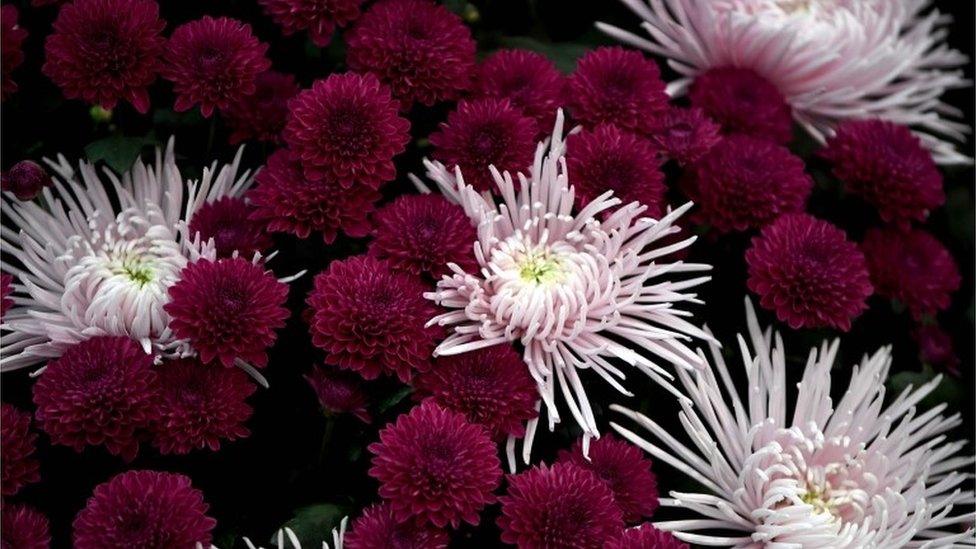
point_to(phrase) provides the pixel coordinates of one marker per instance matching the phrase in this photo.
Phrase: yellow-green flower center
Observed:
(541, 269)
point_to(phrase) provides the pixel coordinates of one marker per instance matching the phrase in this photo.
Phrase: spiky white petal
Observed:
(286, 538)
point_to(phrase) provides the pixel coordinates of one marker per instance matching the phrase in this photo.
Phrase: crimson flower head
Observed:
(743, 102)
(483, 133)
(143, 509)
(228, 309)
(103, 51)
(20, 467)
(419, 48)
(25, 179)
(935, 348)
(433, 466)
(226, 221)
(319, 17)
(339, 392)
(808, 273)
(213, 62)
(422, 234)
(6, 288)
(645, 536)
(378, 527)
(527, 79)
(685, 135)
(23, 527)
(262, 115)
(12, 38)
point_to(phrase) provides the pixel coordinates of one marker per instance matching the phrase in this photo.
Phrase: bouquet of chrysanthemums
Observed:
(369, 274)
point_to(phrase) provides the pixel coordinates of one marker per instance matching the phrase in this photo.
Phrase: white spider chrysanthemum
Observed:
(855, 474)
(575, 291)
(831, 59)
(287, 539)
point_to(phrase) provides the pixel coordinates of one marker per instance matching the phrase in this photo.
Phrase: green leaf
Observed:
(171, 118)
(314, 524)
(563, 54)
(118, 152)
(394, 399)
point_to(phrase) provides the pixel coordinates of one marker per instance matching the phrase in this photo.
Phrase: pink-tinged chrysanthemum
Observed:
(288, 202)
(25, 180)
(228, 309)
(213, 62)
(262, 115)
(807, 272)
(339, 392)
(624, 470)
(370, 318)
(913, 267)
(527, 79)
(6, 288)
(22, 527)
(617, 86)
(685, 135)
(319, 17)
(18, 443)
(103, 51)
(783, 464)
(743, 102)
(346, 129)
(378, 527)
(226, 221)
(101, 391)
(886, 165)
(423, 234)
(435, 467)
(143, 509)
(199, 406)
(745, 183)
(608, 159)
(559, 506)
(831, 60)
(935, 348)
(645, 536)
(483, 133)
(418, 48)
(11, 53)
(489, 386)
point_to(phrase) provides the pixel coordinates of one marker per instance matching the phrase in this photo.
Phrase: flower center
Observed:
(816, 498)
(540, 268)
(139, 272)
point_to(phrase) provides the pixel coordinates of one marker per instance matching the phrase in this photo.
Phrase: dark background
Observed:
(255, 485)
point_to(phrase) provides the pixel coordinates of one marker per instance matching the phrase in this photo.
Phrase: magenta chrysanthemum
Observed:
(745, 183)
(262, 115)
(483, 133)
(22, 527)
(143, 509)
(912, 267)
(435, 467)
(25, 179)
(371, 319)
(617, 86)
(559, 506)
(378, 528)
(228, 309)
(886, 165)
(213, 62)
(491, 387)
(608, 159)
(11, 53)
(6, 288)
(645, 536)
(685, 135)
(101, 391)
(198, 406)
(339, 392)
(422, 234)
(625, 471)
(419, 48)
(807, 271)
(18, 442)
(226, 221)
(935, 348)
(527, 79)
(346, 128)
(743, 102)
(319, 17)
(103, 51)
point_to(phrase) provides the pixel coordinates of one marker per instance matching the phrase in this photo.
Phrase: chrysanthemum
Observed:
(527, 79)
(22, 527)
(745, 183)
(423, 234)
(20, 467)
(624, 470)
(608, 159)
(421, 50)
(820, 473)
(645, 536)
(433, 466)
(559, 506)
(489, 386)
(613, 85)
(339, 392)
(226, 220)
(6, 288)
(743, 102)
(379, 527)
(199, 406)
(12, 38)
(228, 309)
(319, 17)
(483, 133)
(25, 180)
(935, 348)
(370, 318)
(143, 509)
(913, 267)
(101, 391)
(576, 291)
(213, 62)
(288, 202)
(888, 167)
(286, 538)
(807, 272)
(830, 60)
(346, 129)
(261, 115)
(685, 135)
